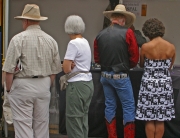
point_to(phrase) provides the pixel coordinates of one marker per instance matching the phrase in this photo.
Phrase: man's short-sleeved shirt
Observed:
(37, 51)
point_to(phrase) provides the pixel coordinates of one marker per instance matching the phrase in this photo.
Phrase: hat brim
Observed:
(130, 17)
(29, 18)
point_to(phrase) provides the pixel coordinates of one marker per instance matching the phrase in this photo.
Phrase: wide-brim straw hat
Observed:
(31, 12)
(130, 17)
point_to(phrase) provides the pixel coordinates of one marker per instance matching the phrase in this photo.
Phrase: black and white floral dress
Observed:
(156, 100)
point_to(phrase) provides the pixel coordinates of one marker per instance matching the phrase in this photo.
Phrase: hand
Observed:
(73, 65)
(16, 68)
(52, 77)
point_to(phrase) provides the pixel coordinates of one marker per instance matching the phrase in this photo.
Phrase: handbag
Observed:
(63, 79)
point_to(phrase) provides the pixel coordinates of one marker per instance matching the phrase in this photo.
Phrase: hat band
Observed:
(32, 16)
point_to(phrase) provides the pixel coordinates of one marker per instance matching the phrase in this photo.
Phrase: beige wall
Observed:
(91, 11)
(57, 11)
(168, 12)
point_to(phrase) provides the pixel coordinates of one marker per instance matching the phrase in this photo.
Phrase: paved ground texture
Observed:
(53, 129)
(11, 135)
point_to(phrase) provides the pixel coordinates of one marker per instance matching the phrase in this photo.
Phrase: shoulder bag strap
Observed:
(75, 73)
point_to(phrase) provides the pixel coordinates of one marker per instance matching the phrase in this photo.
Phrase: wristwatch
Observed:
(7, 90)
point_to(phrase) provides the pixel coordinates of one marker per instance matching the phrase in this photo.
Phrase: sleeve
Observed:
(56, 65)
(12, 56)
(96, 53)
(132, 48)
(71, 51)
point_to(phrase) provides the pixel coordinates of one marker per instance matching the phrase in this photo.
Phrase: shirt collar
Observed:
(33, 27)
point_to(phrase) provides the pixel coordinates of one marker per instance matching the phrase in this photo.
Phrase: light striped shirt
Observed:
(37, 51)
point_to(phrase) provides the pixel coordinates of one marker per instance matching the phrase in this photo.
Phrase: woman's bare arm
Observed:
(142, 55)
(67, 66)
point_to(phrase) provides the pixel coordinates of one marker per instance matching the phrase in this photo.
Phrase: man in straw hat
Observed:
(29, 89)
(116, 50)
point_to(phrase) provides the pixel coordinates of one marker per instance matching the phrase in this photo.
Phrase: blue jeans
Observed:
(123, 88)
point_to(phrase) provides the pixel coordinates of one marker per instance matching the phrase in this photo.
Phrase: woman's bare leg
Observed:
(159, 129)
(150, 129)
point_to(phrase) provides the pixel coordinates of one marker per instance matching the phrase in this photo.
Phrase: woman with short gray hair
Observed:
(74, 25)
(80, 88)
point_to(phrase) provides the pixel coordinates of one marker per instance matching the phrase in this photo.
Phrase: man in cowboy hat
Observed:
(29, 89)
(116, 50)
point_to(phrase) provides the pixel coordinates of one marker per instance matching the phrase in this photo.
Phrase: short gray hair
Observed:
(74, 25)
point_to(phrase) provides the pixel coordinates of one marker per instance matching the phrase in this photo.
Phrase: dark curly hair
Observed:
(153, 28)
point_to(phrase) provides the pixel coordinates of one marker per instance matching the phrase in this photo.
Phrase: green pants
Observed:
(78, 98)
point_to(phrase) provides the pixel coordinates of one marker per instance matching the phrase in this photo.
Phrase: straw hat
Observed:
(31, 12)
(130, 17)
